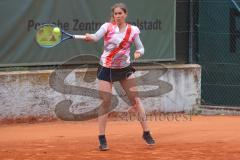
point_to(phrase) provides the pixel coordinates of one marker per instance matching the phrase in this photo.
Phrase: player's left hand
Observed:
(137, 55)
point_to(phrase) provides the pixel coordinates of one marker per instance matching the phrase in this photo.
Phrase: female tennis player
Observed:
(115, 66)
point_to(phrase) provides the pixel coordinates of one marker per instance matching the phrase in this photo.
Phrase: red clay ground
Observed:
(198, 138)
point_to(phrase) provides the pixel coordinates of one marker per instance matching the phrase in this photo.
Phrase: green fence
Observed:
(217, 35)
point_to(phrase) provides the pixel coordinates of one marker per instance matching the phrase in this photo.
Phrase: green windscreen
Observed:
(154, 18)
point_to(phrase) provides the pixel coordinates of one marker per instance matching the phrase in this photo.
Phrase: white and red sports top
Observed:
(116, 53)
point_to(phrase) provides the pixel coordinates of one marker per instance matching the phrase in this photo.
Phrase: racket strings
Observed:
(47, 37)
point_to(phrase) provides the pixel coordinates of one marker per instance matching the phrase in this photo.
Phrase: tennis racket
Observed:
(50, 35)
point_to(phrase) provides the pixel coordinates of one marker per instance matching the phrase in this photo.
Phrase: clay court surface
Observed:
(195, 138)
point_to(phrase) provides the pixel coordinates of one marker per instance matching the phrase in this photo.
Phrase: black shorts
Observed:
(113, 74)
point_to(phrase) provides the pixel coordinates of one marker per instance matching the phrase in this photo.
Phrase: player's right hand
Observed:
(88, 37)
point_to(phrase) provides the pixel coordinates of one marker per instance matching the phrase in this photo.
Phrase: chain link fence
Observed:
(214, 38)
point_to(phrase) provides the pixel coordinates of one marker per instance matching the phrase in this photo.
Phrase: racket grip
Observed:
(79, 36)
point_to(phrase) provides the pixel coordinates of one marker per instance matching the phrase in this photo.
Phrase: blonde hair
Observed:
(116, 5)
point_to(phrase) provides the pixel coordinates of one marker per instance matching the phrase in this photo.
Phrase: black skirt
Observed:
(113, 74)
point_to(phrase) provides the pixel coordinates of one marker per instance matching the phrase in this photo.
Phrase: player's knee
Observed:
(106, 101)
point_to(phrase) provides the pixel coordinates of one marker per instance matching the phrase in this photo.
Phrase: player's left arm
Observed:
(139, 47)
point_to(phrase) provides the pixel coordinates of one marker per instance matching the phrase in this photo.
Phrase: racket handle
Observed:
(79, 36)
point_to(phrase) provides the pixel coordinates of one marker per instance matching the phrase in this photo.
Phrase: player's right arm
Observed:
(98, 35)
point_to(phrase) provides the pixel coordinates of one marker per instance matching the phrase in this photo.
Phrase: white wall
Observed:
(28, 93)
